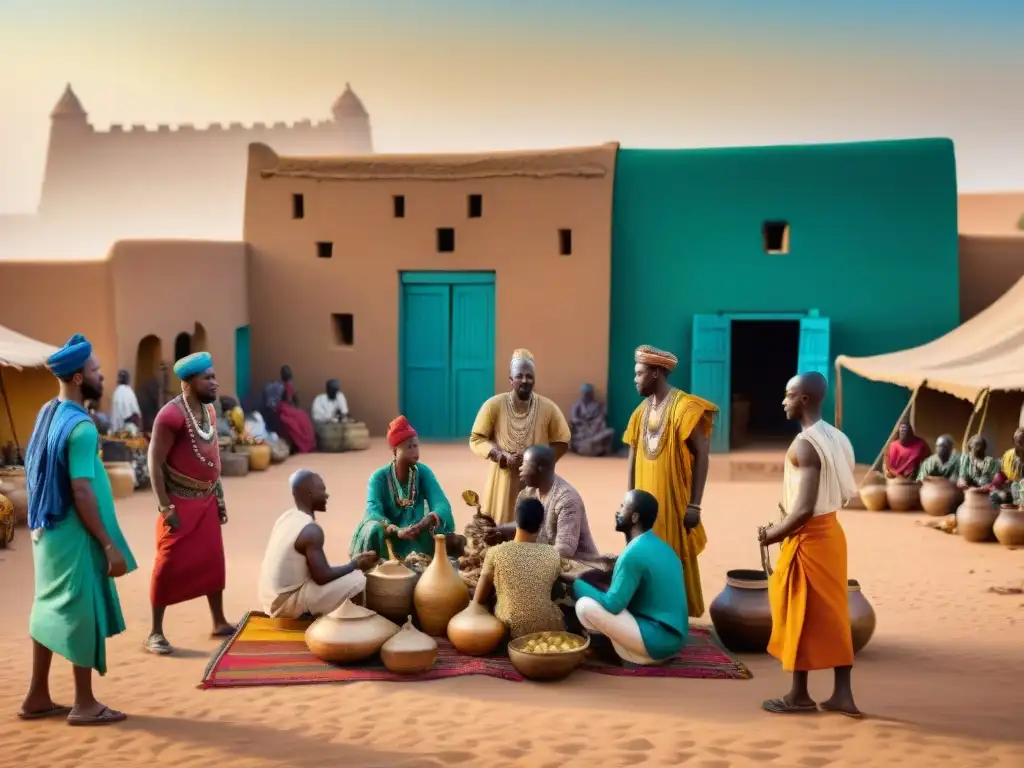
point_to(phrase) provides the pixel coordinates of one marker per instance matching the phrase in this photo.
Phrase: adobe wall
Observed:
(988, 267)
(990, 213)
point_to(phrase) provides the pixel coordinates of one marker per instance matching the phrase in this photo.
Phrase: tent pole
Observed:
(895, 430)
(839, 397)
(970, 421)
(10, 416)
(984, 411)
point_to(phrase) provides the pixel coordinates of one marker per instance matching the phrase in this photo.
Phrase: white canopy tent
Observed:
(19, 351)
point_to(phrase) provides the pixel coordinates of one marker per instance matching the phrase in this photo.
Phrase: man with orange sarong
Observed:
(906, 453)
(505, 427)
(669, 445)
(184, 464)
(808, 588)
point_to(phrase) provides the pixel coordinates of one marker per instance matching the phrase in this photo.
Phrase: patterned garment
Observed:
(977, 473)
(565, 521)
(524, 574)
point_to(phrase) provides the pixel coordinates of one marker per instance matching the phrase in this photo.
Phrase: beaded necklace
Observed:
(195, 429)
(651, 433)
(519, 427)
(406, 497)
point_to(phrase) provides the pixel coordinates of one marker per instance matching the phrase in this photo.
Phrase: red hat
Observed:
(399, 431)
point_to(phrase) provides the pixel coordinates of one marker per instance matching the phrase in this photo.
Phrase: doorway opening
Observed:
(764, 357)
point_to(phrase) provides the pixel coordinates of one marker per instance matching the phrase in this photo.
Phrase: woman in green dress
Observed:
(404, 502)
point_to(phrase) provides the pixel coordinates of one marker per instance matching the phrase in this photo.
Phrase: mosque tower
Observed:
(353, 121)
(70, 134)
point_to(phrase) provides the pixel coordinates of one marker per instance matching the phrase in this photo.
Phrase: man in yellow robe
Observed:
(505, 427)
(669, 444)
(808, 588)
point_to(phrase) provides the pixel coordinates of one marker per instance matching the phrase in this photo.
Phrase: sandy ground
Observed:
(943, 679)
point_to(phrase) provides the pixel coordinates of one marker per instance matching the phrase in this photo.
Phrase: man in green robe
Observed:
(78, 547)
(945, 462)
(977, 469)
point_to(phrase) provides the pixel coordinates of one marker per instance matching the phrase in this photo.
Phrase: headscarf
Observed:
(659, 358)
(399, 431)
(193, 365)
(70, 358)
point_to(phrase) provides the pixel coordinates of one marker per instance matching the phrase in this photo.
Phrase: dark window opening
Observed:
(324, 250)
(763, 357)
(476, 206)
(775, 236)
(565, 242)
(182, 346)
(344, 329)
(298, 206)
(398, 201)
(445, 240)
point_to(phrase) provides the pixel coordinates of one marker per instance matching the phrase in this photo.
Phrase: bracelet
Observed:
(693, 506)
(108, 547)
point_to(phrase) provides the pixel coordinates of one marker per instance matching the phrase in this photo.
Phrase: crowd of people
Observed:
(530, 543)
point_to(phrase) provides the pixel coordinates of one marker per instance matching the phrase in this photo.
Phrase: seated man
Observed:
(906, 453)
(1006, 484)
(522, 573)
(565, 517)
(330, 406)
(124, 405)
(644, 612)
(295, 577)
(591, 435)
(945, 462)
(977, 469)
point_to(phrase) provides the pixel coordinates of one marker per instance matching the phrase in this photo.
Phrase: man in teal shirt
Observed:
(644, 611)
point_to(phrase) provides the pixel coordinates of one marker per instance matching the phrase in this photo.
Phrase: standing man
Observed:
(77, 546)
(124, 406)
(184, 464)
(506, 426)
(808, 590)
(669, 439)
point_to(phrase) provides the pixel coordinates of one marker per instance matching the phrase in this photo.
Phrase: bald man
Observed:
(296, 579)
(808, 589)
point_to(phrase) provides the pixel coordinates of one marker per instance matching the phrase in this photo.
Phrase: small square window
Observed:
(324, 250)
(344, 329)
(398, 204)
(476, 206)
(775, 237)
(565, 242)
(445, 240)
(298, 206)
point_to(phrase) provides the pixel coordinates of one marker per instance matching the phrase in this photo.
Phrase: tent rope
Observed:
(983, 395)
(10, 415)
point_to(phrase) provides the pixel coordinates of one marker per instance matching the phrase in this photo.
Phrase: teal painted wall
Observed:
(873, 246)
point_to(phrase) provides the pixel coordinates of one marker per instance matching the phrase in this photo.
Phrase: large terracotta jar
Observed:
(1009, 526)
(440, 593)
(18, 496)
(976, 516)
(122, 478)
(475, 631)
(389, 589)
(351, 633)
(862, 616)
(741, 613)
(903, 495)
(940, 497)
(873, 492)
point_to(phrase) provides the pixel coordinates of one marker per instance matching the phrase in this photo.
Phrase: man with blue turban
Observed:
(77, 545)
(184, 466)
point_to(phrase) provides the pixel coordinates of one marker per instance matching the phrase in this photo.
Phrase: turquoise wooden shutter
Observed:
(243, 362)
(472, 353)
(710, 371)
(814, 345)
(426, 339)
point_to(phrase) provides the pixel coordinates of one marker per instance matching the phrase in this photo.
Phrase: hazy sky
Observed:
(451, 75)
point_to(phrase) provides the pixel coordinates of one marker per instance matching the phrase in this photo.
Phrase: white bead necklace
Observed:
(194, 429)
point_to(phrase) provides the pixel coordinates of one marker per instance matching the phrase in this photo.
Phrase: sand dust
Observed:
(943, 678)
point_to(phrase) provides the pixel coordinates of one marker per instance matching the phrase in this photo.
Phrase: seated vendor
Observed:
(296, 578)
(330, 407)
(591, 435)
(522, 573)
(565, 517)
(977, 468)
(404, 502)
(945, 462)
(644, 612)
(906, 453)
(1007, 482)
(281, 401)
(124, 405)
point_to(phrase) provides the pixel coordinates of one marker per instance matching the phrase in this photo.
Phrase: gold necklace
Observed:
(651, 433)
(519, 426)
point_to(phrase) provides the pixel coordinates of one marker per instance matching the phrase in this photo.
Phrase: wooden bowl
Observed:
(545, 666)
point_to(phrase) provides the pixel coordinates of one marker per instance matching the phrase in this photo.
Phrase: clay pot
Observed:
(234, 464)
(351, 633)
(741, 614)
(18, 496)
(940, 497)
(873, 492)
(545, 666)
(1009, 526)
(279, 451)
(440, 593)
(409, 651)
(6, 522)
(389, 589)
(330, 437)
(903, 495)
(122, 478)
(976, 516)
(258, 453)
(862, 616)
(475, 631)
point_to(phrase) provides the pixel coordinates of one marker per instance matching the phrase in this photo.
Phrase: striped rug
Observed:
(266, 651)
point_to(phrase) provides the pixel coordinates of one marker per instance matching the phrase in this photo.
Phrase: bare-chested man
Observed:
(808, 589)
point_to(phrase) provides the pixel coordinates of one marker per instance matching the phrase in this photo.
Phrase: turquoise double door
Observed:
(446, 350)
